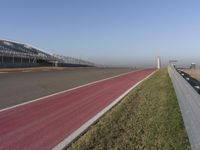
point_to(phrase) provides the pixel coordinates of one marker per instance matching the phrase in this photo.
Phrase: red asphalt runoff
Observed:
(45, 123)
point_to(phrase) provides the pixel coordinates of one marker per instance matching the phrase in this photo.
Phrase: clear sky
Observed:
(107, 31)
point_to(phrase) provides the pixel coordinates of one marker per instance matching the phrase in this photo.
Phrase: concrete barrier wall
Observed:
(189, 102)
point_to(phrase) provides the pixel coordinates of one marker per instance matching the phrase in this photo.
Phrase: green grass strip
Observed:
(147, 118)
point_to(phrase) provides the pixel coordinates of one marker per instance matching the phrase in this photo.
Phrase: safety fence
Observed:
(189, 102)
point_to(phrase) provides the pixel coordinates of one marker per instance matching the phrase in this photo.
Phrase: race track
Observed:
(45, 123)
(19, 87)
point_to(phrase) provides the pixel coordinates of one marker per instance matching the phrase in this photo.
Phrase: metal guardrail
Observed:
(189, 102)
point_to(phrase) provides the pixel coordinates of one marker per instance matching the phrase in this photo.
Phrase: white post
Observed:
(158, 62)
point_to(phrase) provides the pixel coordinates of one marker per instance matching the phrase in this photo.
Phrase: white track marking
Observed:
(26, 71)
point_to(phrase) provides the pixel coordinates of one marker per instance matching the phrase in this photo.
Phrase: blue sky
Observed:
(124, 32)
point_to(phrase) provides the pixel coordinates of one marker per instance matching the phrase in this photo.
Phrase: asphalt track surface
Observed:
(45, 123)
(19, 87)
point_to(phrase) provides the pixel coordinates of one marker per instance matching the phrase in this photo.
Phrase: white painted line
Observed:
(41, 98)
(79, 131)
(27, 71)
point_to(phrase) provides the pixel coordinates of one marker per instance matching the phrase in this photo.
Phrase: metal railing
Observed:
(189, 102)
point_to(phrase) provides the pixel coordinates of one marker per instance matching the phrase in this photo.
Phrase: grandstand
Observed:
(14, 54)
(70, 61)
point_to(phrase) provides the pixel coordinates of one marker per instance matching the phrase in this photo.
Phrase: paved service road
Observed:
(45, 123)
(19, 87)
